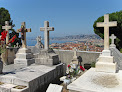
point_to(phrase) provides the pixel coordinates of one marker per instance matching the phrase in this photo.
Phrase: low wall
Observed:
(66, 56)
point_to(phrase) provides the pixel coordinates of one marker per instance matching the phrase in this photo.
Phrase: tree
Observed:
(5, 16)
(117, 31)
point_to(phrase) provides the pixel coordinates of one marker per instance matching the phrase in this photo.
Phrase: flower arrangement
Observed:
(2, 41)
(73, 72)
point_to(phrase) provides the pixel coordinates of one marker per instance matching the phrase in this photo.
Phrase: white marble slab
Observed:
(54, 88)
(93, 81)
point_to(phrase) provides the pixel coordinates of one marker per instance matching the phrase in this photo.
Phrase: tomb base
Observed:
(105, 64)
(113, 46)
(24, 57)
(46, 57)
(106, 53)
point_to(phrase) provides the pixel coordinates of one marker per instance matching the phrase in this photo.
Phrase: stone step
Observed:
(106, 67)
(107, 59)
(25, 62)
(24, 55)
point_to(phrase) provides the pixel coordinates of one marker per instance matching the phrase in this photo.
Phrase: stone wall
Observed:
(66, 56)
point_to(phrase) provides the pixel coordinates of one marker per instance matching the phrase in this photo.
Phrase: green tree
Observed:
(5, 16)
(117, 31)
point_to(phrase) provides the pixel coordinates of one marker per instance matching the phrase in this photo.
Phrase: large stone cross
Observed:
(23, 31)
(106, 24)
(112, 38)
(7, 27)
(46, 30)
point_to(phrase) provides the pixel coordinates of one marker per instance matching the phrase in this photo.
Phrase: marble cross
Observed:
(75, 53)
(7, 27)
(106, 24)
(23, 31)
(17, 44)
(46, 30)
(112, 38)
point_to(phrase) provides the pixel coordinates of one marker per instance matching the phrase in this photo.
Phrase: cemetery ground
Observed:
(35, 67)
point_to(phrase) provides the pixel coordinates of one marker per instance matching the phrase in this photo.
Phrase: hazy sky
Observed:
(68, 17)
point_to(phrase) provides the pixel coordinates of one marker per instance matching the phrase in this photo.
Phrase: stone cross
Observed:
(7, 27)
(17, 44)
(23, 31)
(75, 53)
(106, 24)
(46, 30)
(112, 38)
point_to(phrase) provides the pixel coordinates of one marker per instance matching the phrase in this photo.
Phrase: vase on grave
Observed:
(67, 81)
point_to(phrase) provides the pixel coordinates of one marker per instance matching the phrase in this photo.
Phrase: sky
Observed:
(68, 17)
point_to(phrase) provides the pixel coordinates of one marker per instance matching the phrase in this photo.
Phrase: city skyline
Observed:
(69, 17)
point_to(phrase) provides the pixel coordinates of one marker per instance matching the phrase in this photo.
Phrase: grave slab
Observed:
(54, 88)
(93, 81)
(34, 77)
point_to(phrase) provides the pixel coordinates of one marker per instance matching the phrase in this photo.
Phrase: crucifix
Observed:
(112, 38)
(23, 31)
(46, 30)
(106, 24)
(7, 27)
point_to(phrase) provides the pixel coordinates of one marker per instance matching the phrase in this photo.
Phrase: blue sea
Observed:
(33, 42)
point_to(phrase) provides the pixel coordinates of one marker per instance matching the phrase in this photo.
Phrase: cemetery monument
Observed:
(105, 62)
(24, 56)
(46, 56)
(102, 78)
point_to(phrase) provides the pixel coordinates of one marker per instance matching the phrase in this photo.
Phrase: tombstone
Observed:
(105, 62)
(5, 54)
(46, 30)
(39, 43)
(46, 56)
(75, 58)
(24, 56)
(7, 27)
(112, 37)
